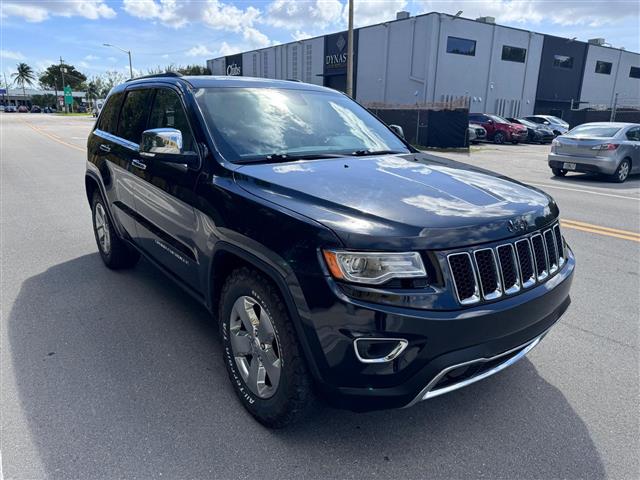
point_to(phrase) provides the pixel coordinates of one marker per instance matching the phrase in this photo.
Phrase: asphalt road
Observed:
(119, 374)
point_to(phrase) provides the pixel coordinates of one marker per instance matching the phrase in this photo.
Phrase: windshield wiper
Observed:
(362, 153)
(289, 157)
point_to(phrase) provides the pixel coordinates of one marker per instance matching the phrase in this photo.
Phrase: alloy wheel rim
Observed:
(102, 228)
(255, 347)
(624, 171)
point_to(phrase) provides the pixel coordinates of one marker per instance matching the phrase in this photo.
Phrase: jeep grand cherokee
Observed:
(336, 258)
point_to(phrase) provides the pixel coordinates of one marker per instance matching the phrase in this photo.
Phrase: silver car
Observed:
(557, 125)
(608, 148)
(476, 133)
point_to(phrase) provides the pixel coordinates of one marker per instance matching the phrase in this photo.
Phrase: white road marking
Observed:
(637, 199)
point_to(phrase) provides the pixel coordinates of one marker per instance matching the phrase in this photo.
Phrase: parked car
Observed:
(23, 109)
(476, 133)
(36, 109)
(1, 108)
(557, 125)
(49, 110)
(536, 132)
(337, 258)
(10, 109)
(612, 149)
(499, 130)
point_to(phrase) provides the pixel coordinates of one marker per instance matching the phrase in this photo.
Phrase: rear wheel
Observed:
(261, 350)
(115, 253)
(558, 172)
(499, 138)
(622, 172)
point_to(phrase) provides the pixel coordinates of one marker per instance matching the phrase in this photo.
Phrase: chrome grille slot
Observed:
(559, 244)
(525, 260)
(550, 243)
(508, 269)
(540, 257)
(464, 277)
(488, 273)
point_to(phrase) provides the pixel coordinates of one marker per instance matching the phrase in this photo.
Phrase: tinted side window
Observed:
(133, 118)
(634, 134)
(514, 54)
(167, 112)
(109, 115)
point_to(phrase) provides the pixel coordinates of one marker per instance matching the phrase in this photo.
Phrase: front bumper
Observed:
(438, 341)
(604, 165)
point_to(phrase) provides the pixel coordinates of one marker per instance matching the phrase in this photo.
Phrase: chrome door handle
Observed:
(105, 148)
(138, 164)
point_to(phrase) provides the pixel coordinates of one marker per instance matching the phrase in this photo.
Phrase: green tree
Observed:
(44, 100)
(194, 70)
(51, 78)
(24, 75)
(104, 83)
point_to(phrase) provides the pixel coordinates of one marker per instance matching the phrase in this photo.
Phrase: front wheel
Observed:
(261, 351)
(499, 138)
(115, 253)
(622, 172)
(558, 172)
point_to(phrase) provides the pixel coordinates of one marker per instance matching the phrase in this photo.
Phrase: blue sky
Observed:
(161, 32)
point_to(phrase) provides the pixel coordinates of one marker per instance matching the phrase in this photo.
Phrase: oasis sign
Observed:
(234, 65)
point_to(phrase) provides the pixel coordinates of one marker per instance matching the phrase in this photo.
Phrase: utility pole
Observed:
(350, 52)
(62, 74)
(613, 108)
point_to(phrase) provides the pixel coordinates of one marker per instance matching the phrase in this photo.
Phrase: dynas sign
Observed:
(234, 65)
(335, 52)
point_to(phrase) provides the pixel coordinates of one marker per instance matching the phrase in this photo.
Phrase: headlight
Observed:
(372, 267)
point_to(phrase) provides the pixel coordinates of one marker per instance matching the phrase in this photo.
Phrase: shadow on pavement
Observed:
(588, 180)
(119, 374)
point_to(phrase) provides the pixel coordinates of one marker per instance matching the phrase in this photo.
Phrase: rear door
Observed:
(164, 193)
(108, 154)
(633, 147)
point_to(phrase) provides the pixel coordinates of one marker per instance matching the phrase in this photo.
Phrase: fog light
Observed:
(379, 350)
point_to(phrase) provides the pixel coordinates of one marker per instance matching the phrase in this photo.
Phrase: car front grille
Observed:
(480, 132)
(488, 273)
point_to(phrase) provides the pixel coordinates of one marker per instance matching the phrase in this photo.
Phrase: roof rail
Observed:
(158, 75)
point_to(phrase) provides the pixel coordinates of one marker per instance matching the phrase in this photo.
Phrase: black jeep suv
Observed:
(337, 259)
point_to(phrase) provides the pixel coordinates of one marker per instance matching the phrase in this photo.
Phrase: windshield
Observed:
(557, 120)
(594, 131)
(527, 123)
(498, 119)
(255, 123)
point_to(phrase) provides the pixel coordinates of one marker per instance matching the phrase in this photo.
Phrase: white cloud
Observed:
(11, 55)
(199, 51)
(38, 11)
(292, 15)
(91, 57)
(594, 13)
(369, 13)
(300, 35)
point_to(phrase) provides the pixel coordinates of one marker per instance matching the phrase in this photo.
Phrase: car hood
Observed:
(401, 201)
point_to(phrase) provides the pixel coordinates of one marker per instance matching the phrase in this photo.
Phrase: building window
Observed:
(265, 65)
(308, 63)
(603, 67)
(514, 54)
(634, 72)
(461, 46)
(255, 64)
(294, 62)
(562, 61)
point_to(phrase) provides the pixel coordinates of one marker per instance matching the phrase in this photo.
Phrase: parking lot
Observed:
(119, 374)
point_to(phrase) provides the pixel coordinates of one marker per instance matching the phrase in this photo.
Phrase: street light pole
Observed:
(350, 52)
(128, 52)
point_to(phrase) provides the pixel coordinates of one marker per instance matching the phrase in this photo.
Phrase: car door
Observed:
(108, 153)
(166, 221)
(633, 147)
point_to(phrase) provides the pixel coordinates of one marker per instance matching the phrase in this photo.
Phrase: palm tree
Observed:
(24, 76)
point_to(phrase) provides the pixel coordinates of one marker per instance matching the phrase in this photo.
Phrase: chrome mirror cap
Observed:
(164, 141)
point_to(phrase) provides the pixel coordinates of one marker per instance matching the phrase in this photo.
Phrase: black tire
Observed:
(293, 394)
(622, 172)
(499, 138)
(558, 172)
(118, 255)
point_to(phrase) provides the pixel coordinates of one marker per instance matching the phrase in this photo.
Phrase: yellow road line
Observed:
(53, 137)
(608, 232)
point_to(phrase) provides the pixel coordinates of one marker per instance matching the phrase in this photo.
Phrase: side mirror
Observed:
(490, 121)
(546, 123)
(165, 145)
(397, 129)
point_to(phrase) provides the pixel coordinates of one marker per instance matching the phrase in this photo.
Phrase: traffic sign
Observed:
(68, 97)
(3, 91)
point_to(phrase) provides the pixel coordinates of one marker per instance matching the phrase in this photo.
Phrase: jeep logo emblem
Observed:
(517, 225)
